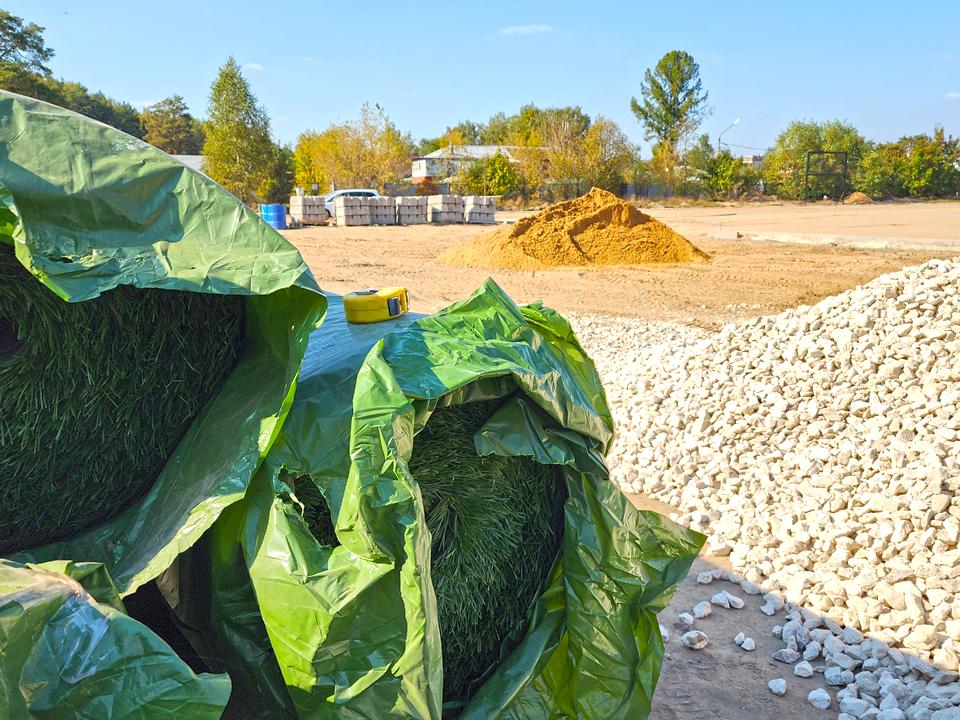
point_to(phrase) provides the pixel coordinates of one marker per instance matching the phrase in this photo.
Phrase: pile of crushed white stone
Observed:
(819, 450)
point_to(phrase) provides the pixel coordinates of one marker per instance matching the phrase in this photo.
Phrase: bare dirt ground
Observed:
(724, 682)
(743, 279)
(918, 221)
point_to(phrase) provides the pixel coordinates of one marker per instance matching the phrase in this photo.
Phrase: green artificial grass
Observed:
(95, 396)
(497, 525)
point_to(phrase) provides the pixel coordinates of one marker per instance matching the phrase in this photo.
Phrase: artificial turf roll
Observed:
(434, 533)
(95, 396)
(496, 525)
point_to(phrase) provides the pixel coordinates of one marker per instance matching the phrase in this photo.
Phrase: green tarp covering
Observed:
(68, 651)
(354, 628)
(87, 209)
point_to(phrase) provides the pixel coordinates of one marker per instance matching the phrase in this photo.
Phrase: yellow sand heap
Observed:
(857, 198)
(596, 229)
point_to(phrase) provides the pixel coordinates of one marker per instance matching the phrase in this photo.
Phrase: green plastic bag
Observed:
(354, 628)
(86, 209)
(89, 208)
(69, 651)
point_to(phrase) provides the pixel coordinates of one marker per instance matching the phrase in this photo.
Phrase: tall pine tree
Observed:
(238, 152)
(171, 128)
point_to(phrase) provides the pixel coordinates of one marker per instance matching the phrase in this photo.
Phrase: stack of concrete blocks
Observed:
(411, 210)
(308, 208)
(444, 209)
(383, 210)
(351, 211)
(479, 209)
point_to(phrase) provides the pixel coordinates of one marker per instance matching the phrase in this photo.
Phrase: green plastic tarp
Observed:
(88, 208)
(69, 651)
(304, 630)
(354, 628)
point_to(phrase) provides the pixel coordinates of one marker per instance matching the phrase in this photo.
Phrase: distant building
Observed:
(753, 161)
(194, 162)
(448, 162)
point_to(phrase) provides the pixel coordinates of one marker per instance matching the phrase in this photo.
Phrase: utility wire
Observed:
(745, 147)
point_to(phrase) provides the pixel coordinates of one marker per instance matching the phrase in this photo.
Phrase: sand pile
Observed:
(857, 198)
(596, 229)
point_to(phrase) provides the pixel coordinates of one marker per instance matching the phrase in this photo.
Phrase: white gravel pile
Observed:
(818, 448)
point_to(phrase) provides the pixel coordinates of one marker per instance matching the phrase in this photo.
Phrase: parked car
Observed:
(328, 200)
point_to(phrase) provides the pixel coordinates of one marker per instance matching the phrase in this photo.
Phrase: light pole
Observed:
(721, 135)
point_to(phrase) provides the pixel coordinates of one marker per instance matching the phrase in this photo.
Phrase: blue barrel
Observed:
(275, 216)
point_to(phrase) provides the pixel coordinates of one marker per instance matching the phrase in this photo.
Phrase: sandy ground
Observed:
(723, 682)
(744, 277)
(742, 280)
(918, 221)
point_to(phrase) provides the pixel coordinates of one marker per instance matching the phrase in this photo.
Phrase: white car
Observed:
(328, 200)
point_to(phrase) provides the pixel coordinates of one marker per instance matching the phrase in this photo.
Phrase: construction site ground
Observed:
(745, 277)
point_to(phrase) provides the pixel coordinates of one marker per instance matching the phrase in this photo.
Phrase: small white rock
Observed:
(819, 698)
(773, 604)
(749, 644)
(894, 713)
(739, 638)
(778, 687)
(686, 619)
(701, 610)
(695, 640)
(803, 669)
(720, 599)
(734, 601)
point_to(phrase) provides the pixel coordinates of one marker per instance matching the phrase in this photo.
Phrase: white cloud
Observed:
(253, 66)
(952, 96)
(308, 59)
(525, 29)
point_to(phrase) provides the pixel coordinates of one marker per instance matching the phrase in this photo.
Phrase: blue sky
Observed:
(890, 68)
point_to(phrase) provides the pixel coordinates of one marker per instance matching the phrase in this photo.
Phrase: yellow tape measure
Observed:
(375, 304)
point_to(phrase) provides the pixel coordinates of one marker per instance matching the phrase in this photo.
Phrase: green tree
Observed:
(608, 155)
(491, 176)
(916, 166)
(699, 155)
(881, 172)
(23, 70)
(367, 152)
(278, 186)
(673, 103)
(932, 166)
(238, 152)
(171, 128)
(497, 130)
(785, 163)
(98, 106)
(724, 175)
(23, 57)
(466, 132)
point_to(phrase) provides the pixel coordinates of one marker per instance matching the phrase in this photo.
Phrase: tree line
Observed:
(550, 153)
(23, 69)
(234, 140)
(560, 152)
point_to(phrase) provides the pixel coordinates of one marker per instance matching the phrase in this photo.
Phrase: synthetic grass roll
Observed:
(496, 525)
(95, 396)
